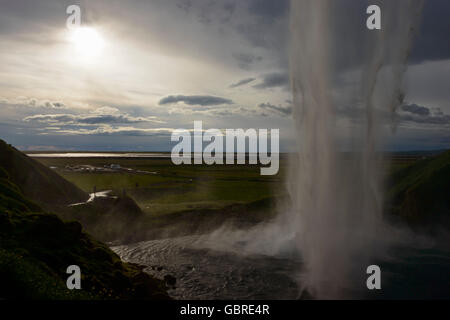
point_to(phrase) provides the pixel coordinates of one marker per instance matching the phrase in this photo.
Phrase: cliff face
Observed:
(36, 248)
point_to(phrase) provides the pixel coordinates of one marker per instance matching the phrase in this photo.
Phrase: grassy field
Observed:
(169, 188)
(161, 188)
(195, 199)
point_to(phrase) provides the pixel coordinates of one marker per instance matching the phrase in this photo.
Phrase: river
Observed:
(206, 270)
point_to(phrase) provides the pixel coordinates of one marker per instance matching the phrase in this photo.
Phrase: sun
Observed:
(88, 41)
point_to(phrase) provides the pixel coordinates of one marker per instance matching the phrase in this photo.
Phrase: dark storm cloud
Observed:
(242, 82)
(423, 115)
(280, 110)
(273, 80)
(349, 20)
(415, 109)
(195, 100)
(440, 119)
(432, 42)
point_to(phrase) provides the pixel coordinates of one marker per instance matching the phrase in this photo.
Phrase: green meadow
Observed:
(168, 193)
(167, 188)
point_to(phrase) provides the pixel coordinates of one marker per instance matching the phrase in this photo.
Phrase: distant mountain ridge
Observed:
(37, 182)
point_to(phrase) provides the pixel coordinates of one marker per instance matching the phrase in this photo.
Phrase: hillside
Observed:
(36, 181)
(419, 194)
(106, 219)
(36, 248)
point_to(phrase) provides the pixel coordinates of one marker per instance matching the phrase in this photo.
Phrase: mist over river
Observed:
(206, 273)
(205, 270)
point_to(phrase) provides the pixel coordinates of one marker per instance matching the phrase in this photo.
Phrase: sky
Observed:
(145, 68)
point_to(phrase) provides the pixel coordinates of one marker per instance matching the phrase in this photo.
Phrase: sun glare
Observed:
(88, 41)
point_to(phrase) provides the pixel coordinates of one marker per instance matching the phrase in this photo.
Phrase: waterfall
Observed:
(338, 196)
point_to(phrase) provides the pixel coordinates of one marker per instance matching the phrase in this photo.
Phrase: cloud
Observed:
(103, 115)
(106, 110)
(406, 114)
(195, 100)
(414, 113)
(184, 5)
(273, 80)
(33, 103)
(415, 109)
(269, 9)
(246, 60)
(49, 104)
(37, 148)
(208, 111)
(52, 118)
(106, 130)
(266, 25)
(279, 110)
(440, 119)
(242, 82)
(432, 40)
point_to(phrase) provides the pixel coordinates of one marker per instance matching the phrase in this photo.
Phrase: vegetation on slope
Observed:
(419, 194)
(36, 248)
(36, 181)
